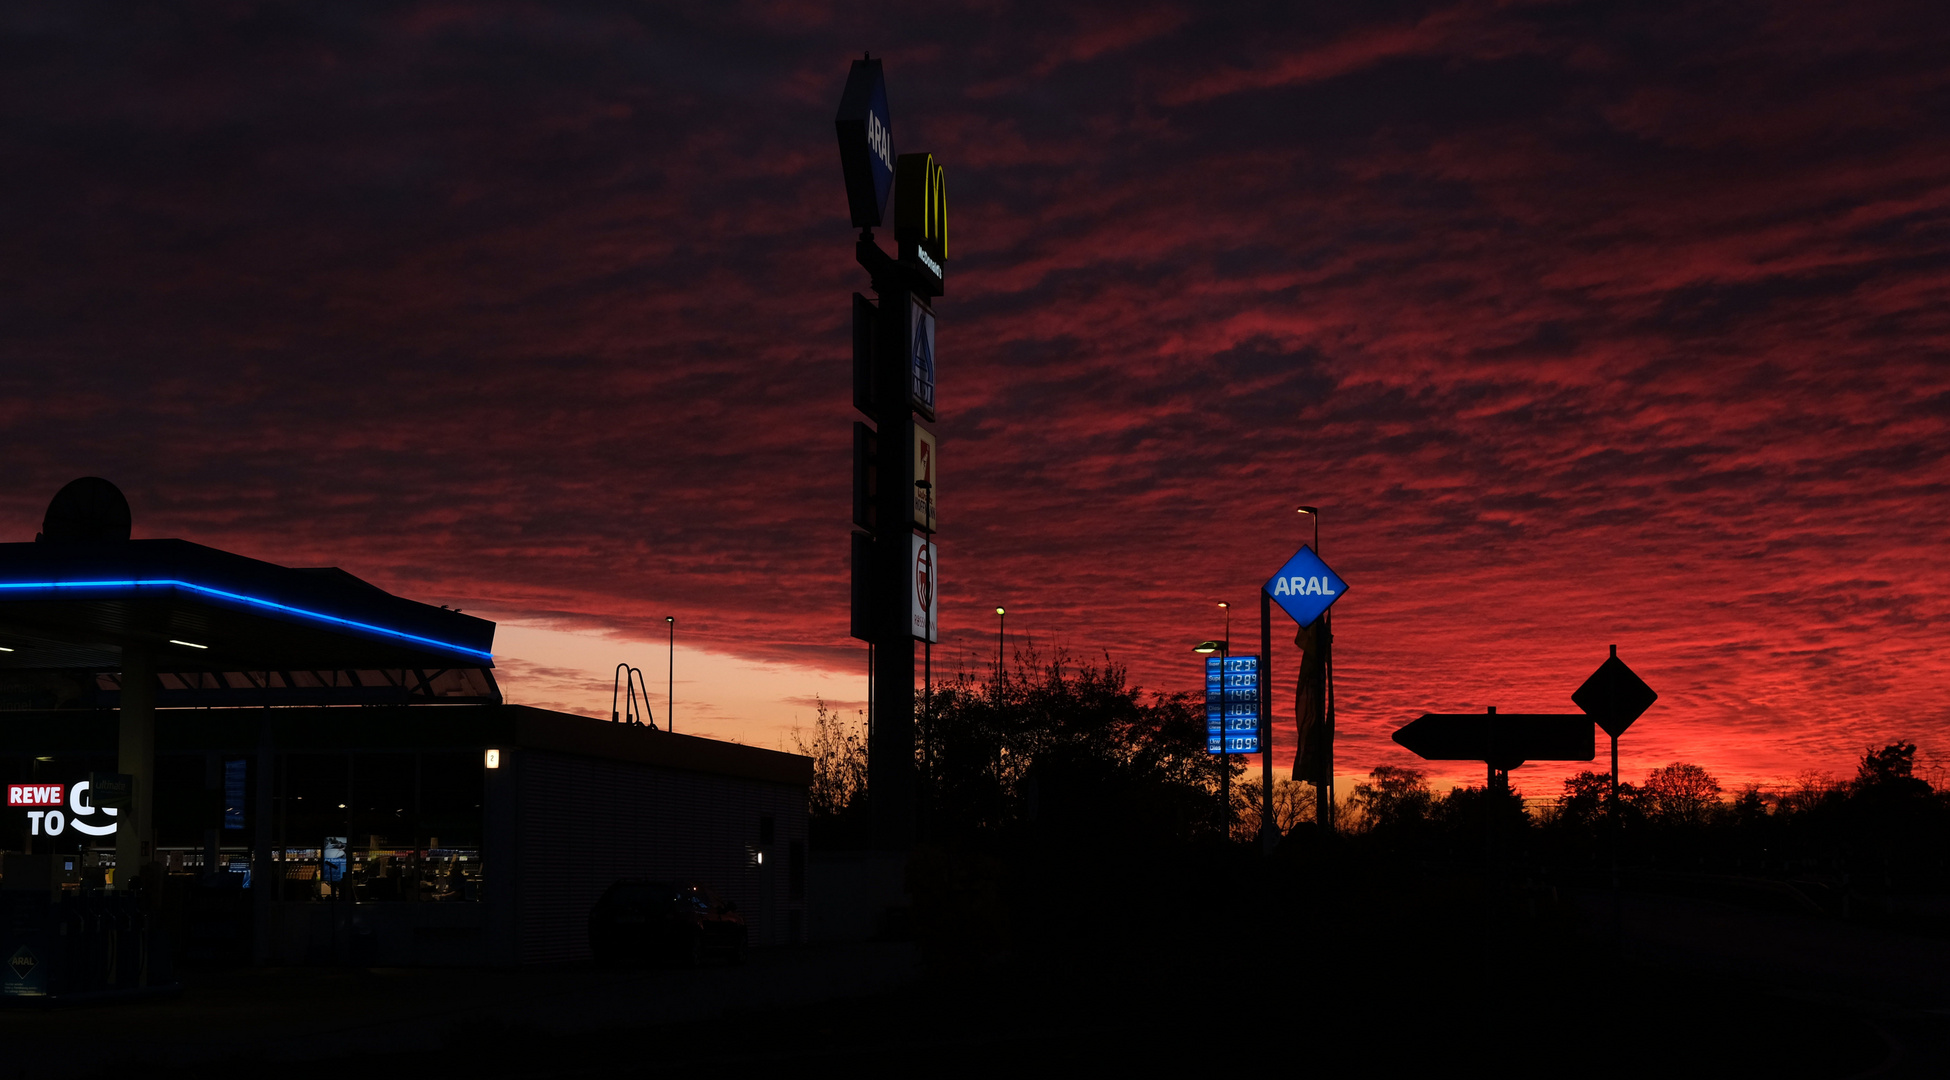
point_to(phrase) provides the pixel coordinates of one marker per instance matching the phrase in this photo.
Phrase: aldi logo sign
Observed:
(921, 358)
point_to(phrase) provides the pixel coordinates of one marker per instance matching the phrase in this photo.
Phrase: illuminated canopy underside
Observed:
(71, 607)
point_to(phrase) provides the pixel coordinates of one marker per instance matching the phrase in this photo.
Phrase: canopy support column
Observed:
(136, 757)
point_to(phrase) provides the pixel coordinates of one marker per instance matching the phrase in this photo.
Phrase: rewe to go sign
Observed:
(52, 819)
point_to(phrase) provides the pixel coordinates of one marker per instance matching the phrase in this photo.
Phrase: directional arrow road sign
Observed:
(1503, 740)
(1614, 695)
(1305, 587)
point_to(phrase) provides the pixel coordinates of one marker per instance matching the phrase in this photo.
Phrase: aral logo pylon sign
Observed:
(1305, 587)
(896, 572)
(866, 143)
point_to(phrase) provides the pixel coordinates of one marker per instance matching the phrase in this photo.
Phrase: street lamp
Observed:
(1324, 638)
(930, 617)
(1000, 619)
(1224, 649)
(670, 677)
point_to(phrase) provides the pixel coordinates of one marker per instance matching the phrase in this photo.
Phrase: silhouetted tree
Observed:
(1890, 773)
(1681, 794)
(1893, 825)
(1066, 745)
(1293, 803)
(1393, 798)
(1582, 805)
(1749, 808)
(1474, 819)
(838, 749)
(1810, 789)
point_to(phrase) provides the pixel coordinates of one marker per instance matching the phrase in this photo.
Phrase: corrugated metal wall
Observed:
(584, 822)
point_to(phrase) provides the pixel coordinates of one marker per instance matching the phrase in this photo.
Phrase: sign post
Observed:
(896, 578)
(1614, 696)
(1232, 718)
(1304, 587)
(1502, 741)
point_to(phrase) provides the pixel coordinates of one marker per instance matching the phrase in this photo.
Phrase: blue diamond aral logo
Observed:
(1305, 587)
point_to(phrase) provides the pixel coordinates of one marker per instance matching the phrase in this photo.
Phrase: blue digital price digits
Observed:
(1232, 704)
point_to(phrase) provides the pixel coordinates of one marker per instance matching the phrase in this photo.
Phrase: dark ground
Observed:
(1422, 973)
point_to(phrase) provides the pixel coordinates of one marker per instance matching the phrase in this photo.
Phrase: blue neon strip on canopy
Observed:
(254, 602)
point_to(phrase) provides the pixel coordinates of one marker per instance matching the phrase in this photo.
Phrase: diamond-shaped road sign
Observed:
(1305, 587)
(1614, 695)
(1503, 740)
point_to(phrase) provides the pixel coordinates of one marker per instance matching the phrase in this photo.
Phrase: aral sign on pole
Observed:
(1305, 587)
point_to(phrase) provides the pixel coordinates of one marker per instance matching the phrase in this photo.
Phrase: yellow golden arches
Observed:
(921, 204)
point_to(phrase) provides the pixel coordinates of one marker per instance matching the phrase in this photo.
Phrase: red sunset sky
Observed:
(1583, 323)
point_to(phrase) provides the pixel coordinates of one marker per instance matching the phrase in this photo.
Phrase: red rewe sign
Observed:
(34, 794)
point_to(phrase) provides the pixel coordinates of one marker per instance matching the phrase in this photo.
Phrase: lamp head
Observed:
(998, 611)
(1308, 510)
(1208, 647)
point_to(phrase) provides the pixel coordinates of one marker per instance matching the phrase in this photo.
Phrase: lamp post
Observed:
(1324, 639)
(670, 677)
(1000, 618)
(1313, 512)
(927, 652)
(1224, 649)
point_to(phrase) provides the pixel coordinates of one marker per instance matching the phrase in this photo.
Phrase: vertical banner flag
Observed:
(1232, 704)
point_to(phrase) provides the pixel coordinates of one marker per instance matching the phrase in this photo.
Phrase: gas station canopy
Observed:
(225, 628)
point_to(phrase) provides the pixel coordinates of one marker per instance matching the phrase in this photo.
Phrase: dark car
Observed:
(638, 922)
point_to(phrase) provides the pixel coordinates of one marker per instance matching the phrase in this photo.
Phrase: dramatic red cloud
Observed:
(1583, 324)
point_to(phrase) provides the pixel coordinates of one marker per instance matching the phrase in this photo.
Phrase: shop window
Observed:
(381, 828)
